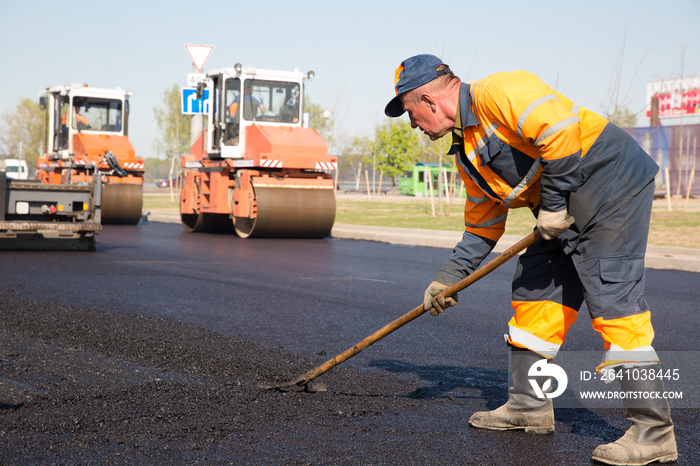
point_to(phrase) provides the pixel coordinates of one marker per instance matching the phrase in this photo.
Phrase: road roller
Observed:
(49, 217)
(257, 169)
(87, 127)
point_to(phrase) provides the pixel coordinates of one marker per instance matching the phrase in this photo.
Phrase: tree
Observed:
(397, 149)
(321, 120)
(155, 170)
(623, 118)
(26, 125)
(174, 139)
(175, 130)
(616, 101)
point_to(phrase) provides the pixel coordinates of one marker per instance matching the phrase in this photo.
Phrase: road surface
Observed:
(149, 351)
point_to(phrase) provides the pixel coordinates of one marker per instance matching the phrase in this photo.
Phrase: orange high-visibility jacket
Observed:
(526, 145)
(78, 118)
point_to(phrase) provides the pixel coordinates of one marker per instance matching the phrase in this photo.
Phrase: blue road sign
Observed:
(191, 105)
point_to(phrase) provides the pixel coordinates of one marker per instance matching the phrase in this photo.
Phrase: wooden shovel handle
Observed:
(408, 317)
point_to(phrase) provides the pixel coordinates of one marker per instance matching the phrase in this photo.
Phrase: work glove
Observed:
(434, 302)
(553, 224)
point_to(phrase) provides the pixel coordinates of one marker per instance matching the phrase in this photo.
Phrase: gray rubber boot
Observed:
(523, 411)
(651, 437)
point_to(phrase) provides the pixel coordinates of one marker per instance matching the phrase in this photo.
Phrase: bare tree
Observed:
(617, 99)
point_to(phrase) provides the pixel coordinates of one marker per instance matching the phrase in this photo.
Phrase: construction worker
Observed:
(519, 143)
(79, 120)
(250, 103)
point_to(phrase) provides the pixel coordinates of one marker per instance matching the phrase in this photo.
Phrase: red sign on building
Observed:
(676, 97)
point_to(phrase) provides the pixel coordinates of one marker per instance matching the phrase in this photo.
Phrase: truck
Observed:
(15, 168)
(256, 168)
(87, 127)
(41, 216)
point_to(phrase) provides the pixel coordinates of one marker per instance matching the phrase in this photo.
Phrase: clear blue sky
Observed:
(354, 47)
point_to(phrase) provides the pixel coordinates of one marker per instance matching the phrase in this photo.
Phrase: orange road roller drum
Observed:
(122, 203)
(289, 212)
(206, 223)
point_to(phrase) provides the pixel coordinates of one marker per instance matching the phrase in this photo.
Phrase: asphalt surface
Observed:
(657, 257)
(151, 349)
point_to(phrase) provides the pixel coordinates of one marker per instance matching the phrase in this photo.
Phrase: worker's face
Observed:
(428, 116)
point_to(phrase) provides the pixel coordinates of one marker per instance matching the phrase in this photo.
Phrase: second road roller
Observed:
(88, 127)
(257, 168)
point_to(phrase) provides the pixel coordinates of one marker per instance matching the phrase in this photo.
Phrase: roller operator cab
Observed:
(256, 168)
(87, 126)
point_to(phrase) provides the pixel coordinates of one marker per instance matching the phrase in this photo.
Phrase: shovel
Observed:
(408, 317)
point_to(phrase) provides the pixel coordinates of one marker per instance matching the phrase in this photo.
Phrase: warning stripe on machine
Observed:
(271, 163)
(128, 165)
(326, 165)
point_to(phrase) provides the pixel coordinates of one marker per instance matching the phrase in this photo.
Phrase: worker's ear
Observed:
(429, 101)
